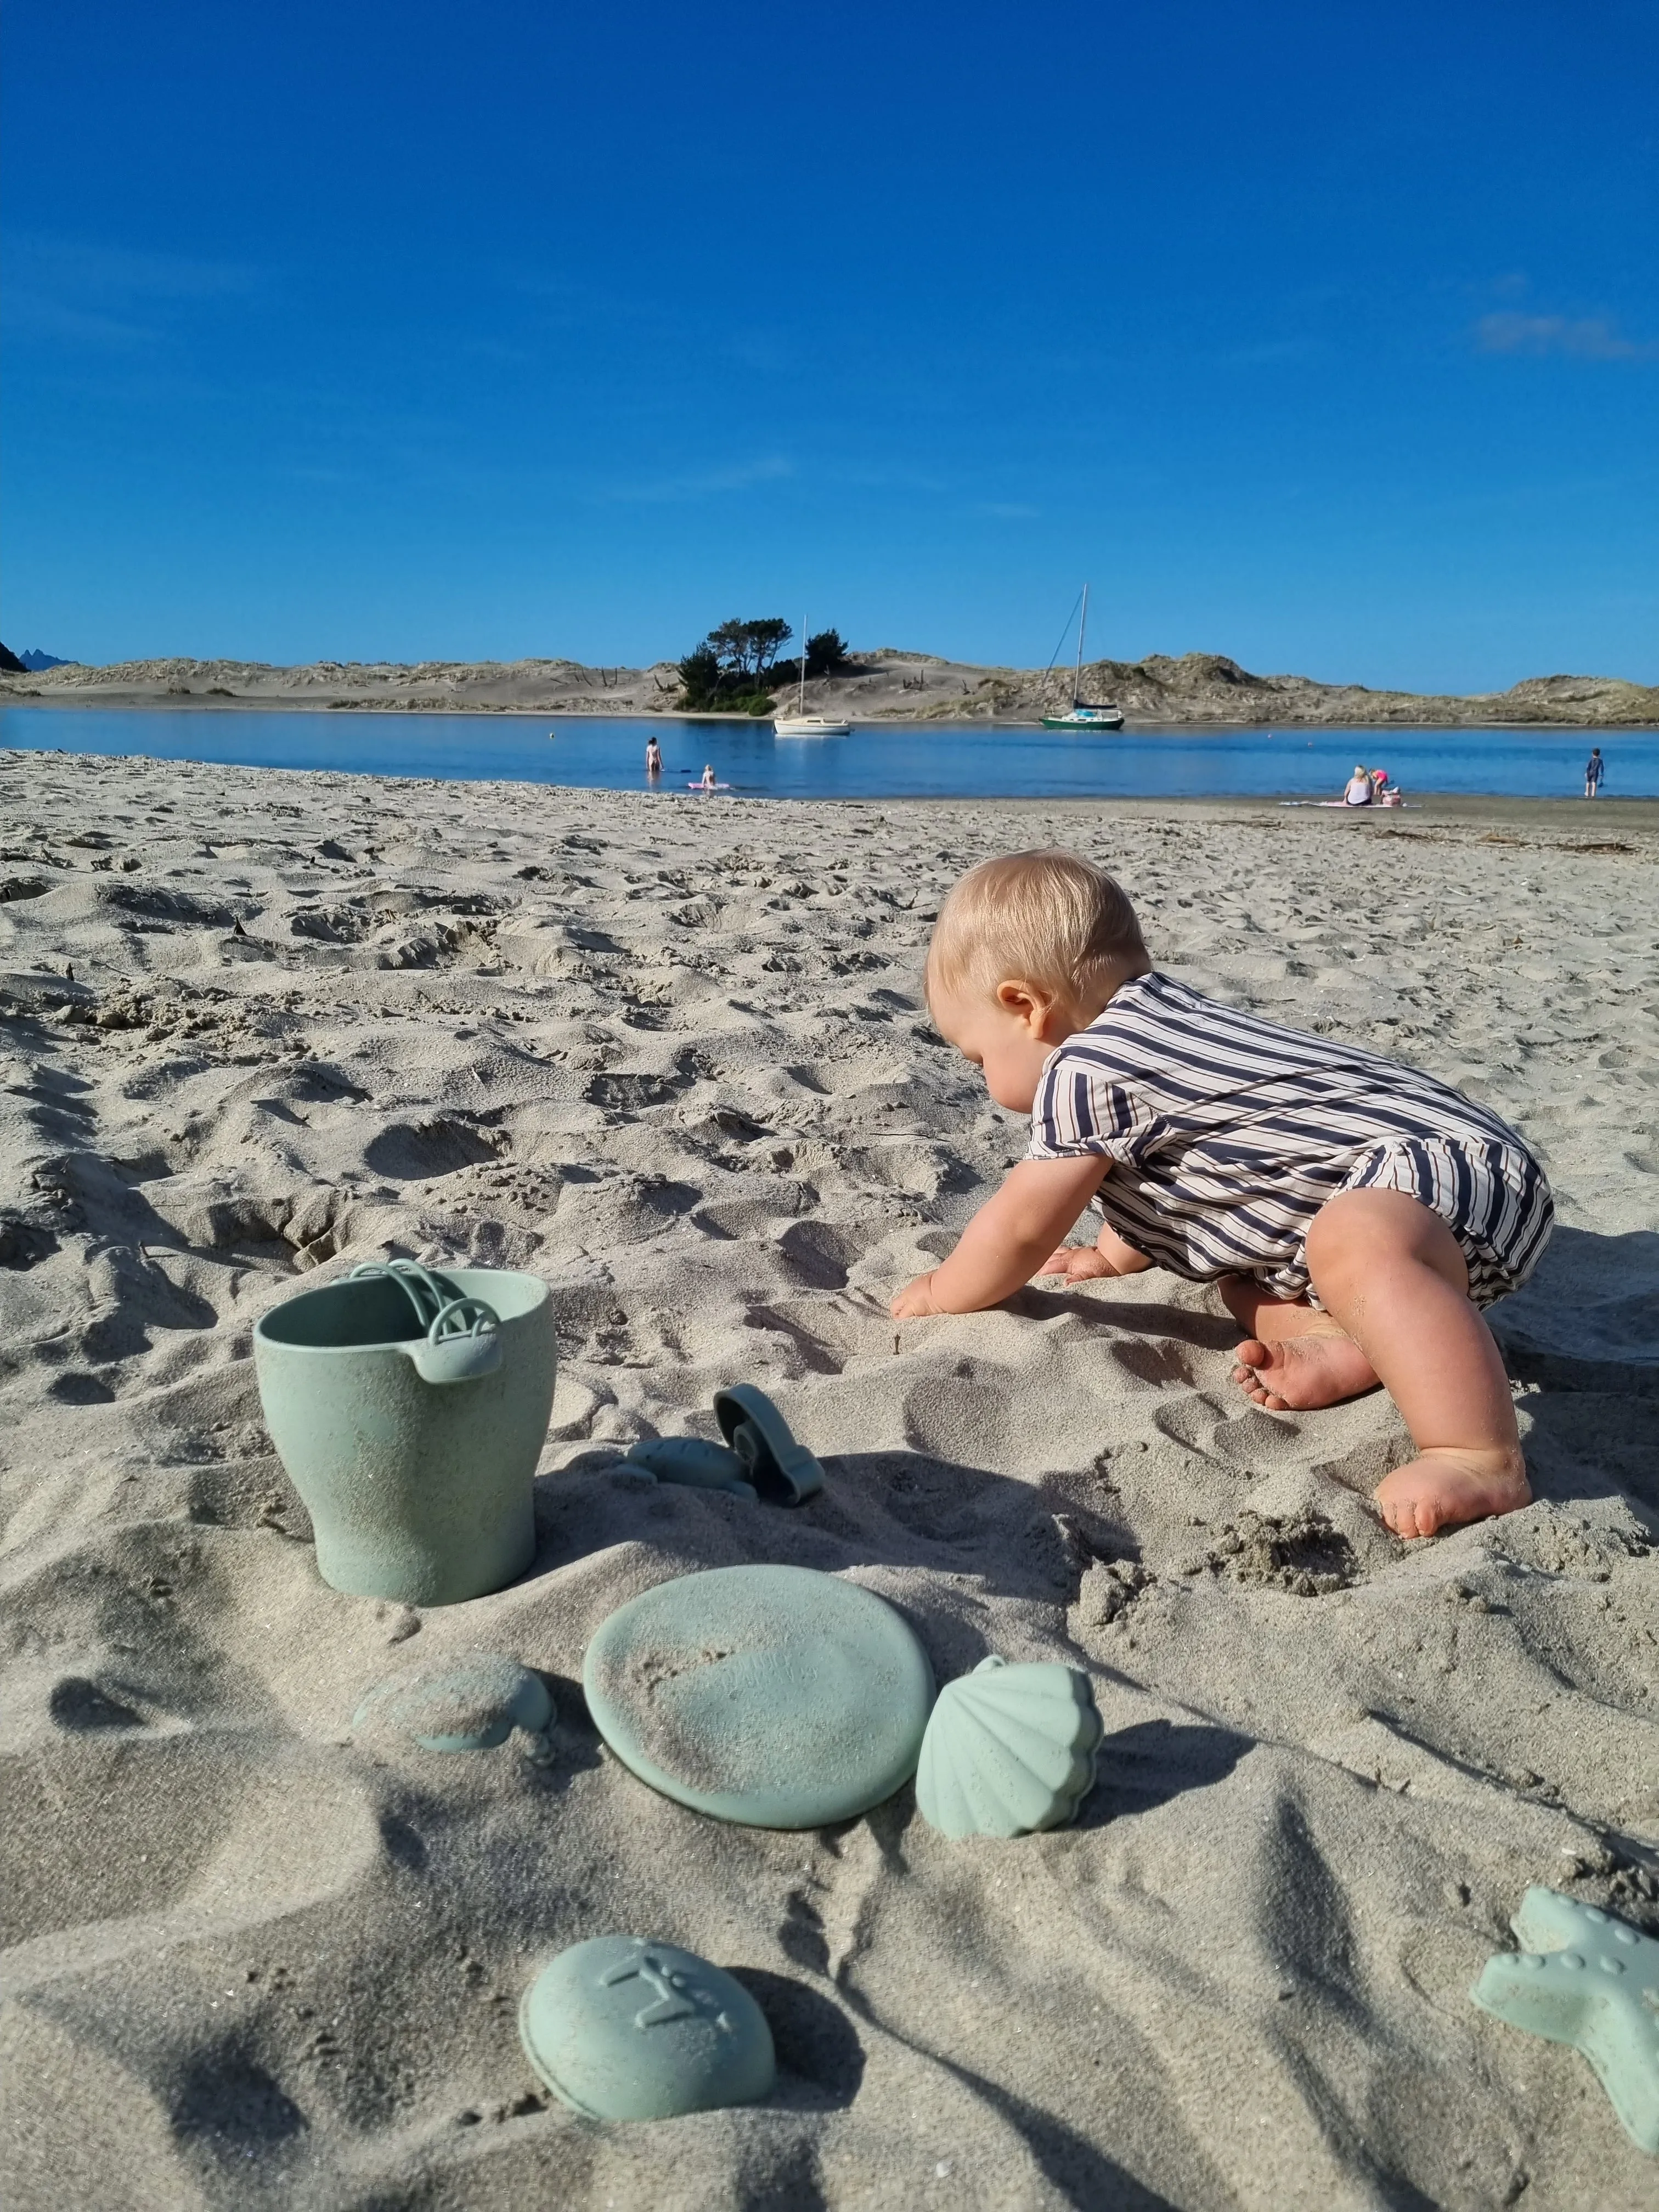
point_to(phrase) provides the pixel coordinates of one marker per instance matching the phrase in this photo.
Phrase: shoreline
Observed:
(1639, 812)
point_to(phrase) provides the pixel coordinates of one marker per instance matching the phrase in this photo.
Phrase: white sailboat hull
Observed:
(809, 726)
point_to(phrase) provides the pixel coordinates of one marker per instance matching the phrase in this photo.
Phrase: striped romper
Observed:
(1227, 1133)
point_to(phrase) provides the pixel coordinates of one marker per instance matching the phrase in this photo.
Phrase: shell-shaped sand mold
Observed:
(777, 1697)
(623, 2028)
(465, 1701)
(1008, 1750)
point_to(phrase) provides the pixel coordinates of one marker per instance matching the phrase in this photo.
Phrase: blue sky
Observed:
(1325, 336)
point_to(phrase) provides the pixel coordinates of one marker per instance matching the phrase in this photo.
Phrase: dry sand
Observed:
(672, 1054)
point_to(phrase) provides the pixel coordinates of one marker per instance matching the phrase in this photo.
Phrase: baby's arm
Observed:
(1007, 1240)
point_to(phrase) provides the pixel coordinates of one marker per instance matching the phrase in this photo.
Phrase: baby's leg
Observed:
(1389, 1272)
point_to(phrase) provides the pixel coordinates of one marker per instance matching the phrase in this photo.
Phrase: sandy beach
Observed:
(672, 1054)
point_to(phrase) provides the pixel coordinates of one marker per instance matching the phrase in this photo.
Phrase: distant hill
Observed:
(35, 660)
(884, 683)
(11, 664)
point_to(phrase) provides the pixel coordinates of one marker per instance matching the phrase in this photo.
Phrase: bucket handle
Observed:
(463, 1334)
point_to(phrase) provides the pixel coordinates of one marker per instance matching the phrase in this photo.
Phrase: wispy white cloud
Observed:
(1269, 353)
(702, 483)
(504, 352)
(31, 312)
(87, 294)
(1589, 337)
(763, 350)
(115, 271)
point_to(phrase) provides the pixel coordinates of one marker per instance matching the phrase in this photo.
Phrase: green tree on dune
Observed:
(826, 651)
(748, 649)
(736, 669)
(733, 670)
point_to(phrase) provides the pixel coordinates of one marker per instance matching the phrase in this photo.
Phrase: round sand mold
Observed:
(622, 2028)
(466, 1701)
(775, 1697)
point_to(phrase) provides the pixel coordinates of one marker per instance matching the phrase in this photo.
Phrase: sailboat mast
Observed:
(801, 697)
(1083, 624)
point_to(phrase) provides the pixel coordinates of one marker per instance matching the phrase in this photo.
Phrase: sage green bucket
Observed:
(409, 1409)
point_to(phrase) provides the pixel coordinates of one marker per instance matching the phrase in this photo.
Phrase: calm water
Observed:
(944, 760)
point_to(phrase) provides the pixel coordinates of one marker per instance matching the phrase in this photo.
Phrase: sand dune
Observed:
(672, 1054)
(887, 684)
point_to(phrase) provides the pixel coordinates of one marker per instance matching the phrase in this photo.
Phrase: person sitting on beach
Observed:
(1595, 769)
(708, 775)
(1359, 791)
(1354, 1213)
(653, 757)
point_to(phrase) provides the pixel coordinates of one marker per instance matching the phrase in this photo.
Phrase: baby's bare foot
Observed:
(1319, 1368)
(1446, 1487)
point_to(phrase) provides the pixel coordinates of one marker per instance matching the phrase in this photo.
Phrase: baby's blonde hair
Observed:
(1046, 917)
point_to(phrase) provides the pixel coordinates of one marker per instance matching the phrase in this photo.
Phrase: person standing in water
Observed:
(1594, 768)
(653, 757)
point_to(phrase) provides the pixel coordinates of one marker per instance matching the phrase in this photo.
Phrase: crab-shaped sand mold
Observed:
(1587, 1979)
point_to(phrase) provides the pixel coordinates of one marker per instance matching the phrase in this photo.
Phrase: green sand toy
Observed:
(622, 2028)
(760, 1459)
(409, 1408)
(1008, 1750)
(782, 1471)
(468, 1701)
(692, 1462)
(1587, 1979)
(774, 1697)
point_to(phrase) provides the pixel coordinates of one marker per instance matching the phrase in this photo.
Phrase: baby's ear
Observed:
(1028, 1003)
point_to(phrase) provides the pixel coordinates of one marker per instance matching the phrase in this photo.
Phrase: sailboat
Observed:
(800, 724)
(1103, 714)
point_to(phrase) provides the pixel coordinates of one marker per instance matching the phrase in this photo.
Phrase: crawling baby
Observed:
(1354, 1214)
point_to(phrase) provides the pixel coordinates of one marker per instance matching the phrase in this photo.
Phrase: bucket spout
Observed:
(463, 1334)
(462, 1353)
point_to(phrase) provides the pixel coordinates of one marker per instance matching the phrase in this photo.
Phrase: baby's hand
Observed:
(1078, 1263)
(915, 1298)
